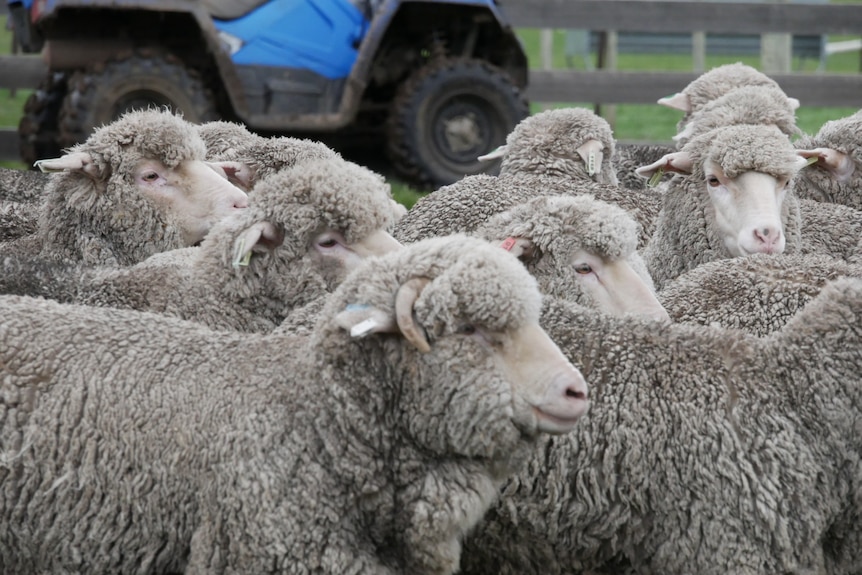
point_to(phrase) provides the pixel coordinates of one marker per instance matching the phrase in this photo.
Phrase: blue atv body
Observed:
(433, 84)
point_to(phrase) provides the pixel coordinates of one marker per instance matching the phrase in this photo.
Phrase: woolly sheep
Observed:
(704, 451)
(747, 105)
(577, 248)
(136, 187)
(830, 229)
(713, 84)
(304, 229)
(546, 154)
(17, 219)
(629, 157)
(836, 177)
(729, 198)
(147, 444)
(580, 249)
(757, 294)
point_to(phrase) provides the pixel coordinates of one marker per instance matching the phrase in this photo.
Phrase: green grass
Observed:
(631, 122)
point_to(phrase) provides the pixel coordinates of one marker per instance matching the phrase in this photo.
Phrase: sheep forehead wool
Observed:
(269, 155)
(224, 139)
(746, 105)
(331, 193)
(143, 134)
(721, 80)
(744, 148)
(554, 134)
(565, 223)
(508, 298)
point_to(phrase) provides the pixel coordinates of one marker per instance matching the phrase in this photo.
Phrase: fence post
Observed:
(546, 42)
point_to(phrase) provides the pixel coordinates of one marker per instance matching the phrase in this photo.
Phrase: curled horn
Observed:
(407, 295)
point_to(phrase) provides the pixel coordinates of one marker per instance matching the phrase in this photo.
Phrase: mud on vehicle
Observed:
(433, 84)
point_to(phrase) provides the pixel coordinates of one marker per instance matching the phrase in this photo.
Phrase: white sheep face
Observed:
(747, 210)
(335, 254)
(194, 196)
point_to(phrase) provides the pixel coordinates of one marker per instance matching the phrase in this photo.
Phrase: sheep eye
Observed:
(583, 269)
(712, 181)
(466, 329)
(327, 243)
(150, 176)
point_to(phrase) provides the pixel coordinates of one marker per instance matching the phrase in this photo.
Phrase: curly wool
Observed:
(750, 105)
(630, 157)
(757, 294)
(547, 143)
(224, 139)
(22, 186)
(217, 448)
(694, 457)
(18, 219)
(816, 183)
(203, 284)
(830, 229)
(470, 202)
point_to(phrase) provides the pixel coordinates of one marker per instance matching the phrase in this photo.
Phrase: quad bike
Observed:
(433, 83)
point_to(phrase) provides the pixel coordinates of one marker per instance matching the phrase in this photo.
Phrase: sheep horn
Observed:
(407, 295)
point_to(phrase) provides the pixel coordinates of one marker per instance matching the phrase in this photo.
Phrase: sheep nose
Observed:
(563, 404)
(767, 238)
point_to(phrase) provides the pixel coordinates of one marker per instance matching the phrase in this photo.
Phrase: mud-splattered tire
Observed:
(446, 115)
(38, 128)
(104, 92)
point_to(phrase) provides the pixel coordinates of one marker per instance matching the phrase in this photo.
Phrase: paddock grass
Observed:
(631, 122)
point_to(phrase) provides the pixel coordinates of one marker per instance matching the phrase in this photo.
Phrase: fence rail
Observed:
(604, 86)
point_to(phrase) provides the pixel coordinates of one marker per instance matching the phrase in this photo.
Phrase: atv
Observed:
(434, 83)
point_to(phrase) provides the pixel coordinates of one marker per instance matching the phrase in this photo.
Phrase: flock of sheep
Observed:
(225, 353)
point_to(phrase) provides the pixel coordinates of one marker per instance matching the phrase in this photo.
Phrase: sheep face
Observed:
(478, 375)
(194, 195)
(747, 210)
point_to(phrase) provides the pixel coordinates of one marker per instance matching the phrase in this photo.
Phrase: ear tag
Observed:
(508, 244)
(591, 164)
(655, 178)
(811, 160)
(239, 259)
(363, 328)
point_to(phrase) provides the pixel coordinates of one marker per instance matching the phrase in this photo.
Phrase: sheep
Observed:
(577, 248)
(304, 229)
(830, 229)
(139, 443)
(136, 187)
(729, 198)
(542, 157)
(17, 219)
(757, 294)
(705, 451)
(580, 249)
(745, 105)
(713, 84)
(629, 157)
(834, 178)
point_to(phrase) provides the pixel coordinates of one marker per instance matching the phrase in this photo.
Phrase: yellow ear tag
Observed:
(655, 178)
(591, 164)
(239, 259)
(811, 160)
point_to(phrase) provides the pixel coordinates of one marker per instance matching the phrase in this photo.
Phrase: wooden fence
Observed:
(606, 86)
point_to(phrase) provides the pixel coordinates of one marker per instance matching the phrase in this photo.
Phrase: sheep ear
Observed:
(678, 162)
(521, 248)
(678, 101)
(685, 133)
(363, 320)
(794, 103)
(71, 162)
(493, 155)
(591, 152)
(260, 235)
(839, 164)
(238, 173)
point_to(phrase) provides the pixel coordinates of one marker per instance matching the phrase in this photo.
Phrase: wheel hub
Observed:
(462, 133)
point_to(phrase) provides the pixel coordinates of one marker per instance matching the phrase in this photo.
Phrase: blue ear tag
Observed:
(655, 178)
(239, 259)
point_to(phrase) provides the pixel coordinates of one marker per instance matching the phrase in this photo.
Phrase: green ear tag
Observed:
(811, 160)
(238, 258)
(655, 178)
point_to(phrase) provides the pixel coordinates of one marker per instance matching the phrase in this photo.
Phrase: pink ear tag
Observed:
(508, 244)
